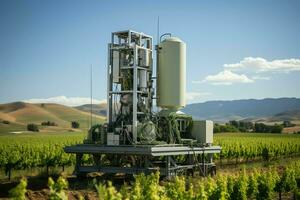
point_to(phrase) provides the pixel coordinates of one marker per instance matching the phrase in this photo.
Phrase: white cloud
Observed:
(250, 66)
(192, 96)
(67, 101)
(261, 78)
(262, 65)
(226, 77)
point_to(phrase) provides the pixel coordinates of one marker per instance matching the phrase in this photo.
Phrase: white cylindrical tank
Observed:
(171, 74)
(143, 78)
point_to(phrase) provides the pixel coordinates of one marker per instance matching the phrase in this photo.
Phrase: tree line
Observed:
(35, 128)
(246, 126)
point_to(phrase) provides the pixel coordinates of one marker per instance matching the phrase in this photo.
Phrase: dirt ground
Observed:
(294, 129)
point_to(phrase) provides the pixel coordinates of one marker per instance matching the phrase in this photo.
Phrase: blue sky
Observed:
(235, 49)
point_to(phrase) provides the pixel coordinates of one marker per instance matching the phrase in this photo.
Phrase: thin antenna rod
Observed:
(91, 95)
(157, 31)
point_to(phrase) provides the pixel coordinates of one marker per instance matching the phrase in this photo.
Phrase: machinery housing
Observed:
(140, 137)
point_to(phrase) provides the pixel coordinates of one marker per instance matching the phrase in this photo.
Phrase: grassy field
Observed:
(236, 147)
(6, 129)
(32, 138)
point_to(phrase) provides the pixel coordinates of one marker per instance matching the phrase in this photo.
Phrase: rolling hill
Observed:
(20, 114)
(98, 109)
(290, 115)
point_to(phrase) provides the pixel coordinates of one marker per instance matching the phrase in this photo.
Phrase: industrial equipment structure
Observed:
(138, 136)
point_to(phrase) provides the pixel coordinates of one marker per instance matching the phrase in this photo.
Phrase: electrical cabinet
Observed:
(202, 131)
(112, 139)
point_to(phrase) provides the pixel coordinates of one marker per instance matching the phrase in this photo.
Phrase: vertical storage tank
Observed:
(171, 74)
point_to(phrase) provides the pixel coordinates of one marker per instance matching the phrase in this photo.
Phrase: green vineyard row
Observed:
(24, 152)
(255, 145)
(260, 185)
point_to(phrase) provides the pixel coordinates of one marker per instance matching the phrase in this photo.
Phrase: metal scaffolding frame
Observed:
(128, 36)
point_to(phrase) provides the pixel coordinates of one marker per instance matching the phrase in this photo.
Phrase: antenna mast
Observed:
(91, 96)
(157, 38)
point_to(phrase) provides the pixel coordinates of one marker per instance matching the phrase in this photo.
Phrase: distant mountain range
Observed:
(269, 109)
(250, 109)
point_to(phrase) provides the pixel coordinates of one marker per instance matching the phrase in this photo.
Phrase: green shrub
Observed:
(230, 185)
(202, 194)
(32, 127)
(108, 192)
(221, 191)
(48, 123)
(252, 185)
(5, 122)
(19, 192)
(218, 128)
(266, 185)
(265, 154)
(240, 187)
(75, 124)
(57, 190)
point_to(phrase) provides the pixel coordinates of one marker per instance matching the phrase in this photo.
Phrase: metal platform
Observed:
(148, 150)
(146, 159)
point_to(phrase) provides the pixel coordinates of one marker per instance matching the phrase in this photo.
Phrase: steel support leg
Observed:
(78, 163)
(168, 165)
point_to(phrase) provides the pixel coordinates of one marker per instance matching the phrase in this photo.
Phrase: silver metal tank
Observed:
(171, 74)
